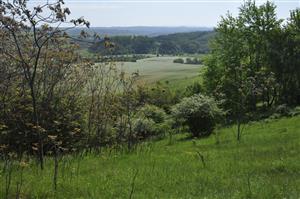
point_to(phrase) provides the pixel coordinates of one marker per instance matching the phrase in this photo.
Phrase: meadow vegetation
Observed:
(74, 127)
(264, 164)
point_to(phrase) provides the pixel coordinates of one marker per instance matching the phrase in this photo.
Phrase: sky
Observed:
(196, 13)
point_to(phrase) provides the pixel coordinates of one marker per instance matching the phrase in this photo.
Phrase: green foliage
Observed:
(144, 128)
(192, 89)
(120, 58)
(159, 95)
(283, 110)
(249, 69)
(194, 60)
(152, 112)
(150, 121)
(295, 111)
(189, 43)
(59, 115)
(200, 113)
(188, 60)
(179, 61)
(284, 57)
(173, 44)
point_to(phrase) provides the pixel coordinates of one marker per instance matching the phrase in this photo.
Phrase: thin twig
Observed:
(132, 184)
(201, 158)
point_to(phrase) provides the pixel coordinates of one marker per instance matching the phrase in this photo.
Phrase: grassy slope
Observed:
(265, 164)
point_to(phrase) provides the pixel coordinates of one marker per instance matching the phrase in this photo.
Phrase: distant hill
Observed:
(138, 30)
(179, 43)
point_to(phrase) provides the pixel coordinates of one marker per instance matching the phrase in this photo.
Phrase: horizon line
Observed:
(169, 1)
(151, 26)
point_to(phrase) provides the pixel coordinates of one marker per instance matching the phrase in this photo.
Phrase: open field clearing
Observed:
(156, 69)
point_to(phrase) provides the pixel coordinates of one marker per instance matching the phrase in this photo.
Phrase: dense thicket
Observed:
(40, 79)
(179, 43)
(54, 102)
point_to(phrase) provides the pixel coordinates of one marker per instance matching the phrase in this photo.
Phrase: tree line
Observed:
(173, 44)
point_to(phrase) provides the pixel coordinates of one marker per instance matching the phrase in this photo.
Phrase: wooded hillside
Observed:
(179, 43)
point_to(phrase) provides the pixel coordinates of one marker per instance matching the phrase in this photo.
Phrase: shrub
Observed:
(283, 110)
(295, 111)
(149, 121)
(159, 95)
(179, 61)
(192, 89)
(199, 112)
(153, 112)
(193, 61)
(144, 128)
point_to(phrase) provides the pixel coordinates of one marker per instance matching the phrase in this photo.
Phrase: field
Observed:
(163, 69)
(265, 164)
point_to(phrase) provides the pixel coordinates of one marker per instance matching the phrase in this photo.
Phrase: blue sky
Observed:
(162, 12)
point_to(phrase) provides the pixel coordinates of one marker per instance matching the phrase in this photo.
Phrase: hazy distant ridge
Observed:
(139, 30)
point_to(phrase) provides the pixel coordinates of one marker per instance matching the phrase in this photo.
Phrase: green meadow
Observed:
(265, 164)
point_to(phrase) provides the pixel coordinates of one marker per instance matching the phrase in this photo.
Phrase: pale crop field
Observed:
(156, 69)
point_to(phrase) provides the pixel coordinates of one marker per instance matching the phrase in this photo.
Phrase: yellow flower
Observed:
(23, 164)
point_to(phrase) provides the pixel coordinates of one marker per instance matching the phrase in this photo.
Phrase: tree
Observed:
(228, 62)
(28, 38)
(102, 88)
(199, 112)
(178, 60)
(240, 69)
(128, 105)
(284, 59)
(259, 25)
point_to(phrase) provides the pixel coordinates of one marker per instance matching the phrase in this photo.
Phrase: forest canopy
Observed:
(173, 44)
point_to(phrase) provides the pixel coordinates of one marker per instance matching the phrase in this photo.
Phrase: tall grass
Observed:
(265, 164)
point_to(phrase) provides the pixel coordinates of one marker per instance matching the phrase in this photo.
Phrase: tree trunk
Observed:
(238, 129)
(36, 123)
(55, 168)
